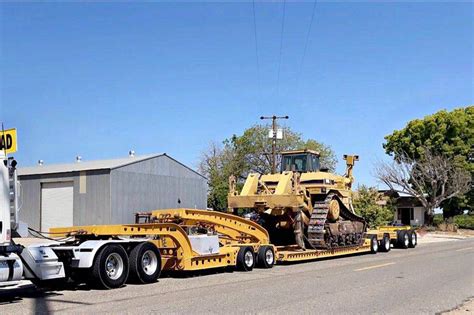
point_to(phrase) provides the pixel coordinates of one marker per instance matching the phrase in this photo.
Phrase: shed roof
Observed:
(403, 202)
(85, 165)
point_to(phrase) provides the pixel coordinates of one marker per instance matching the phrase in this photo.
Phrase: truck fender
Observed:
(85, 253)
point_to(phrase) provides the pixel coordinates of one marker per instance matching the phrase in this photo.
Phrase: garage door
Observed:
(56, 205)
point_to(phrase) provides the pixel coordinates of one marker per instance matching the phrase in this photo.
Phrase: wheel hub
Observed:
(114, 266)
(269, 257)
(375, 245)
(149, 262)
(248, 258)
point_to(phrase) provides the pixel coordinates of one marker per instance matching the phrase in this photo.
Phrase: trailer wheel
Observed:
(265, 257)
(145, 263)
(110, 268)
(384, 245)
(413, 239)
(374, 244)
(403, 239)
(245, 259)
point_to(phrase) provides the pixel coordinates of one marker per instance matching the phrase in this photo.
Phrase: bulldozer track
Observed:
(316, 227)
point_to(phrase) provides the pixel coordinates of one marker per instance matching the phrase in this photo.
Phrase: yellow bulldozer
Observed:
(303, 203)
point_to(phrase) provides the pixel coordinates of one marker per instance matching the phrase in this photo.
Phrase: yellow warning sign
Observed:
(8, 140)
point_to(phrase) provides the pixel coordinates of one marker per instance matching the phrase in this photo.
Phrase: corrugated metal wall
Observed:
(92, 203)
(156, 183)
(107, 197)
(30, 201)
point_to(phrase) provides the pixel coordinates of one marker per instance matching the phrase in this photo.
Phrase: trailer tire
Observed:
(245, 259)
(265, 257)
(145, 263)
(403, 239)
(413, 239)
(110, 268)
(385, 244)
(374, 244)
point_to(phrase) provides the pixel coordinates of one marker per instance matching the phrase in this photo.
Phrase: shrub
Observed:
(366, 204)
(464, 221)
(447, 227)
(438, 219)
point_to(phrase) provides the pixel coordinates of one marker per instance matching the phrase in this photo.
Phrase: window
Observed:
(315, 163)
(295, 162)
(300, 163)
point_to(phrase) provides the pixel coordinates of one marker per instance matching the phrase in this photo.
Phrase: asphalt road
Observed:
(429, 279)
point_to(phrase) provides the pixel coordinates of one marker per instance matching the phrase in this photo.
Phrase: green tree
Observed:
(211, 166)
(450, 134)
(250, 153)
(373, 206)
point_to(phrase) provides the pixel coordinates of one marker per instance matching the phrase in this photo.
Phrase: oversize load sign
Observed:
(8, 140)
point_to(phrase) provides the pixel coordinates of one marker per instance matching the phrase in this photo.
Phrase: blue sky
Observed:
(98, 79)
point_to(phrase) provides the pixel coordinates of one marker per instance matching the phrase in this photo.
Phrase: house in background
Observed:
(409, 210)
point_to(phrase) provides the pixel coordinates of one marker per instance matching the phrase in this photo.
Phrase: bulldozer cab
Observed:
(301, 161)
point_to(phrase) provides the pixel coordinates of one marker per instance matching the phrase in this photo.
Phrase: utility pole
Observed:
(274, 138)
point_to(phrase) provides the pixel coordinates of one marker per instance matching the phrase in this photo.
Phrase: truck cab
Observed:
(302, 161)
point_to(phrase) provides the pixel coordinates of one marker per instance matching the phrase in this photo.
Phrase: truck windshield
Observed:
(295, 163)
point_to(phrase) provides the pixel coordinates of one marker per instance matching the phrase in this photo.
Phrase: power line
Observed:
(281, 46)
(300, 70)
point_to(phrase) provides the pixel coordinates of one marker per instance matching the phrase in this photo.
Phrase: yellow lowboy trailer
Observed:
(187, 240)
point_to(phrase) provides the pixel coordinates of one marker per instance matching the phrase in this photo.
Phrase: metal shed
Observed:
(107, 191)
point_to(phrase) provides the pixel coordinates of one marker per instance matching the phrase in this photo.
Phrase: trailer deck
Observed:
(286, 254)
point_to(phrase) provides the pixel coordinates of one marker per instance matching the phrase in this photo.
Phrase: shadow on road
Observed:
(16, 295)
(40, 297)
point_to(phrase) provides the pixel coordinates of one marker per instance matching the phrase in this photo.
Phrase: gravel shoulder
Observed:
(466, 308)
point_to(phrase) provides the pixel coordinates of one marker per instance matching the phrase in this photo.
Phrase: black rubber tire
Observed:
(385, 244)
(98, 277)
(137, 272)
(402, 237)
(262, 257)
(413, 239)
(374, 244)
(242, 264)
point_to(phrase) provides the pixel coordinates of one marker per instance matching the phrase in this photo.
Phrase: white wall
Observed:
(418, 216)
